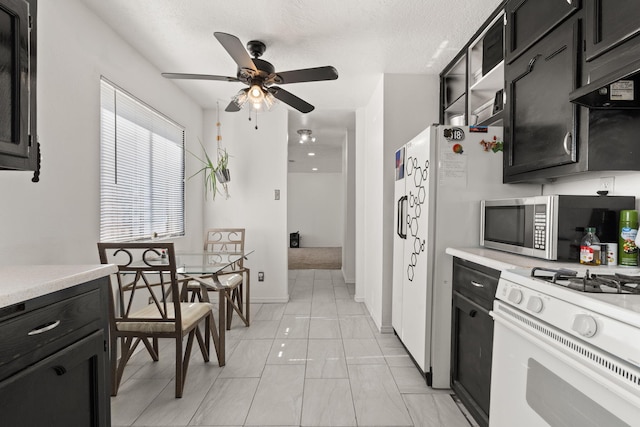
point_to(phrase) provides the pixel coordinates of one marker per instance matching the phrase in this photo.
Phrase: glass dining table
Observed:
(201, 272)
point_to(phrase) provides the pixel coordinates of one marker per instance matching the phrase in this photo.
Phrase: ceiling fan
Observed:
(261, 77)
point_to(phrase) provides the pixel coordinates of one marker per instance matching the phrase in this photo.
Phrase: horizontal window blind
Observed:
(141, 170)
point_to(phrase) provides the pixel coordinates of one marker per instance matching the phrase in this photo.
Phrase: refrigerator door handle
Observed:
(400, 227)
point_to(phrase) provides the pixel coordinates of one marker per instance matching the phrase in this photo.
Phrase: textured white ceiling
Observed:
(361, 38)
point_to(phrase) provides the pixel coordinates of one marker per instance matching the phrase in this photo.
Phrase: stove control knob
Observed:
(535, 304)
(515, 296)
(585, 325)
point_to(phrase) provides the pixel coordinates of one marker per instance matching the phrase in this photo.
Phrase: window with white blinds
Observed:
(141, 169)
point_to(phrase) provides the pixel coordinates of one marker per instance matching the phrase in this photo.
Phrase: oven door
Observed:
(541, 376)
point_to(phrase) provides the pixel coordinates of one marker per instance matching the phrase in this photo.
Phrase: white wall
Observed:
(370, 240)
(349, 235)
(56, 221)
(258, 166)
(400, 107)
(316, 209)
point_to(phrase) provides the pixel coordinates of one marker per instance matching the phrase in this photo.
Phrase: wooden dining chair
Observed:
(145, 306)
(235, 281)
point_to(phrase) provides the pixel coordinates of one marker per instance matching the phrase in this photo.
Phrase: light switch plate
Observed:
(277, 194)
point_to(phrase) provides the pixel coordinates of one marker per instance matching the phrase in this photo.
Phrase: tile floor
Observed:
(315, 361)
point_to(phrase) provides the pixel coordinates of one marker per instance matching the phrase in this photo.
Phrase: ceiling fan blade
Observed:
(307, 75)
(291, 99)
(235, 48)
(232, 107)
(198, 77)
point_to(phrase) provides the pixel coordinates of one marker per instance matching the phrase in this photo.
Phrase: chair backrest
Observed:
(225, 240)
(146, 278)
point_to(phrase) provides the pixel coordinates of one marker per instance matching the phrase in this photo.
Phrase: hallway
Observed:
(314, 361)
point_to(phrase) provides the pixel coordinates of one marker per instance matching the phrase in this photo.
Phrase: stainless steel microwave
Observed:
(549, 227)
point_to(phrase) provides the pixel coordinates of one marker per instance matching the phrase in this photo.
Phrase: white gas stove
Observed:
(566, 348)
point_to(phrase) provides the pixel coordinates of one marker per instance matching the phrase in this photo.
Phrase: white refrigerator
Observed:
(441, 176)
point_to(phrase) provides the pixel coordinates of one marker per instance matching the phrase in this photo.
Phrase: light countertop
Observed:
(500, 260)
(23, 282)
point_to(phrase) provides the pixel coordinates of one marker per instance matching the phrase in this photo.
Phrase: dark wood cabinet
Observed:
(609, 24)
(53, 362)
(528, 21)
(453, 92)
(541, 124)
(474, 288)
(471, 86)
(19, 148)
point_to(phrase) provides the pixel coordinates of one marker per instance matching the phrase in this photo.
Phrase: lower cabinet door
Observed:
(65, 389)
(472, 340)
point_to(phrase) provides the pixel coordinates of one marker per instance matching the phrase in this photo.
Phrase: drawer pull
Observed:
(477, 285)
(60, 370)
(44, 328)
(473, 313)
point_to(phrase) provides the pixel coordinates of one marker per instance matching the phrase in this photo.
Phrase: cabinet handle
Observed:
(477, 285)
(473, 313)
(566, 142)
(44, 328)
(60, 370)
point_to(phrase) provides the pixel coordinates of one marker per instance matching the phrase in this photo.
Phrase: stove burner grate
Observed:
(556, 273)
(593, 283)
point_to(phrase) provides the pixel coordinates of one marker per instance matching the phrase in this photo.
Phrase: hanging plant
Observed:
(222, 170)
(216, 175)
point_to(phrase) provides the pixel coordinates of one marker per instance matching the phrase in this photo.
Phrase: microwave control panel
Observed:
(540, 227)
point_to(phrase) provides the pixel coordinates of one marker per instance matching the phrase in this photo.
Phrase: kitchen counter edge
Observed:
(20, 283)
(506, 261)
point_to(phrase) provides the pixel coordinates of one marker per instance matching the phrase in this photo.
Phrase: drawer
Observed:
(476, 282)
(41, 332)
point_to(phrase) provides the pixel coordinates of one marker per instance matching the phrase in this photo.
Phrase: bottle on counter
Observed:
(590, 248)
(627, 248)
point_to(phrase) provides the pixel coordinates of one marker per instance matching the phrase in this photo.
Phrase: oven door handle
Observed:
(565, 348)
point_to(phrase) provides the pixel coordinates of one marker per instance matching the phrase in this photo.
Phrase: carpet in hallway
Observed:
(315, 258)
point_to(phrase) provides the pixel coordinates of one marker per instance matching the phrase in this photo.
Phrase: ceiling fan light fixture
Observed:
(269, 101)
(256, 96)
(241, 97)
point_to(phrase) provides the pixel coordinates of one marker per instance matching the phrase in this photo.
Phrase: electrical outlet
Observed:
(606, 184)
(277, 194)
(260, 276)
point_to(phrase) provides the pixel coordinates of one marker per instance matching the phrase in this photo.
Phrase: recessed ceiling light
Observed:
(314, 169)
(311, 154)
(305, 135)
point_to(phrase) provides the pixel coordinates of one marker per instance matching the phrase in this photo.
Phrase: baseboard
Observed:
(387, 329)
(358, 298)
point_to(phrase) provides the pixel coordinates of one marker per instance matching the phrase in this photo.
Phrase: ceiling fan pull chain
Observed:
(256, 120)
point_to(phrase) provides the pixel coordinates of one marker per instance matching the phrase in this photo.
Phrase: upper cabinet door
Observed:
(19, 149)
(609, 24)
(541, 129)
(530, 20)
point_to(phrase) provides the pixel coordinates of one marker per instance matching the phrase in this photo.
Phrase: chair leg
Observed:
(228, 301)
(152, 347)
(179, 379)
(202, 344)
(127, 347)
(182, 362)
